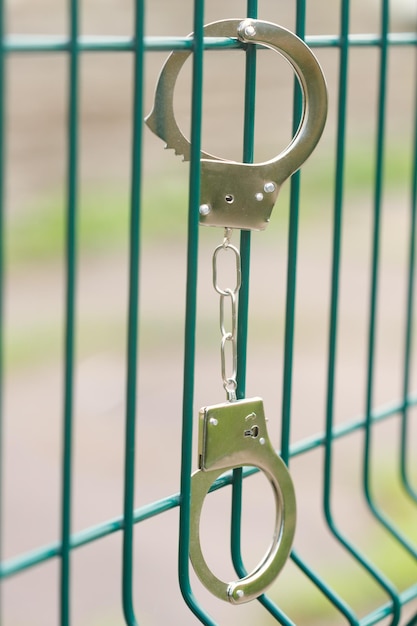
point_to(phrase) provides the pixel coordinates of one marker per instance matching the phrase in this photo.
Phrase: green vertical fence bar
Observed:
(242, 332)
(245, 249)
(245, 245)
(333, 329)
(336, 600)
(71, 240)
(337, 242)
(245, 235)
(408, 335)
(290, 301)
(373, 304)
(292, 261)
(133, 312)
(191, 316)
(377, 216)
(2, 272)
(324, 588)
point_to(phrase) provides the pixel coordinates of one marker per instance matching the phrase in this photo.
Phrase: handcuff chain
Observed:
(228, 336)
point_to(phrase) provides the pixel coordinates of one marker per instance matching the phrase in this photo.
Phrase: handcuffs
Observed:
(242, 195)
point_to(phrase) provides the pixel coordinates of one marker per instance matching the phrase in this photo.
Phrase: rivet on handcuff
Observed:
(242, 195)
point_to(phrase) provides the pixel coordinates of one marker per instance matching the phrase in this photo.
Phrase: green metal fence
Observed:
(394, 601)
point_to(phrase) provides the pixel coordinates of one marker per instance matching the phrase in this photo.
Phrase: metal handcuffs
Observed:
(242, 195)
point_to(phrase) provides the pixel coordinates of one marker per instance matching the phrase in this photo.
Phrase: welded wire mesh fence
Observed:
(325, 323)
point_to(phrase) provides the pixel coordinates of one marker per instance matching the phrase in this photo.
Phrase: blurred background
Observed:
(36, 109)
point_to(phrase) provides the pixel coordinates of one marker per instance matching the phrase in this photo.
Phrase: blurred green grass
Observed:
(37, 233)
(35, 238)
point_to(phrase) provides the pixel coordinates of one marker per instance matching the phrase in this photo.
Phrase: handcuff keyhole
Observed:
(229, 198)
(252, 432)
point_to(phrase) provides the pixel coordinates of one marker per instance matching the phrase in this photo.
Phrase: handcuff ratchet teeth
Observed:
(242, 195)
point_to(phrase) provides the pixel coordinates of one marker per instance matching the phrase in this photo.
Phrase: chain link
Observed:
(228, 337)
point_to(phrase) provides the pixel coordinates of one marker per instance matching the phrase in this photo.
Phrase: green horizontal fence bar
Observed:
(74, 45)
(30, 559)
(54, 43)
